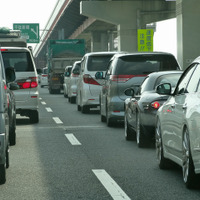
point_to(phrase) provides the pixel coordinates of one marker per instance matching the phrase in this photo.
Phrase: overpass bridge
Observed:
(108, 25)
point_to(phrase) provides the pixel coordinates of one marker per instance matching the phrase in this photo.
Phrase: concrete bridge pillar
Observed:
(99, 41)
(188, 30)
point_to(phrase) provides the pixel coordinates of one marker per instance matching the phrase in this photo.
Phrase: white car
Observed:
(44, 77)
(72, 83)
(67, 74)
(88, 87)
(178, 127)
(26, 77)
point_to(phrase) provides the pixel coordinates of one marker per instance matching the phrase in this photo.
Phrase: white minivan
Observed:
(88, 87)
(26, 77)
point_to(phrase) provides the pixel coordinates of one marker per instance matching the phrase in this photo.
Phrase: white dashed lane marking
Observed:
(57, 120)
(110, 185)
(72, 139)
(43, 103)
(49, 109)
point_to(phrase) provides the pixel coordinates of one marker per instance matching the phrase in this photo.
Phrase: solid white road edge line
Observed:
(49, 109)
(72, 139)
(110, 185)
(57, 120)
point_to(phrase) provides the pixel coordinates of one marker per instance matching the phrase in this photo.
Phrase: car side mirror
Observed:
(10, 74)
(164, 88)
(13, 86)
(129, 92)
(99, 75)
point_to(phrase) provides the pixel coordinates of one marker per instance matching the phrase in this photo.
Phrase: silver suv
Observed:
(124, 71)
(88, 87)
(4, 118)
(26, 77)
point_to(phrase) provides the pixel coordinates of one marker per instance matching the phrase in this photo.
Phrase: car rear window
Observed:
(21, 61)
(145, 64)
(98, 63)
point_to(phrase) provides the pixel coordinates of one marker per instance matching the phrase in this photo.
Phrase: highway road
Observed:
(70, 156)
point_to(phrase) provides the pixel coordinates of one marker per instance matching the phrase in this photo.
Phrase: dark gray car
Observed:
(128, 70)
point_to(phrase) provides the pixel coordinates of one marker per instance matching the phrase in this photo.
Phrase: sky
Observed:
(39, 11)
(26, 11)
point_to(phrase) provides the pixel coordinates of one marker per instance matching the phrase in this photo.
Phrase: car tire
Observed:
(163, 162)
(85, 109)
(69, 99)
(7, 157)
(103, 118)
(109, 121)
(73, 99)
(34, 116)
(129, 135)
(2, 173)
(12, 134)
(78, 107)
(189, 176)
(140, 137)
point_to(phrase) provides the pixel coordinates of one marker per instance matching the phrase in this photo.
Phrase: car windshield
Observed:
(21, 61)
(98, 63)
(145, 64)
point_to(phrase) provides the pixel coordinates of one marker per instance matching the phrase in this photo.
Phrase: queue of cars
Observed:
(18, 91)
(161, 104)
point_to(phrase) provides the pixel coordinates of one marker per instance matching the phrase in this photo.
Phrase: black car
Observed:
(141, 108)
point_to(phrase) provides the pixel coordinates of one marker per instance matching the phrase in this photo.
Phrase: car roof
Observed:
(160, 73)
(141, 53)
(102, 53)
(196, 60)
(24, 49)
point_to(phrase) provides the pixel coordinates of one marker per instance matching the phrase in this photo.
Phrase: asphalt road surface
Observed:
(70, 156)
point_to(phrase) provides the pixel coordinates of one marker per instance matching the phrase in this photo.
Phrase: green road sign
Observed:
(29, 31)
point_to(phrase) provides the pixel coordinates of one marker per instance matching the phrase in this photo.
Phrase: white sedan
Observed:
(178, 125)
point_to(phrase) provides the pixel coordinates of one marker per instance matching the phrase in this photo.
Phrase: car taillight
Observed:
(31, 82)
(44, 75)
(155, 105)
(123, 78)
(4, 49)
(89, 80)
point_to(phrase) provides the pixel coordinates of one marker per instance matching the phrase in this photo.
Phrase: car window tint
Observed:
(168, 78)
(145, 64)
(21, 61)
(98, 63)
(181, 88)
(194, 81)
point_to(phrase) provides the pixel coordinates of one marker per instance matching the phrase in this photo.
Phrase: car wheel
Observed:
(189, 177)
(129, 135)
(109, 120)
(163, 162)
(85, 109)
(2, 173)
(34, 116)
(7, 157)
(78, 107)
(73, 99)
(12, 133)
(140, 137)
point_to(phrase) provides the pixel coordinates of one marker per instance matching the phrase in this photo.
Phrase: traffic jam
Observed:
(146, 93)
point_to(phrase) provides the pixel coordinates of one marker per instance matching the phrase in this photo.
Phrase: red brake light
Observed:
(31, 82)
(155, 104)
(89, 80)
(44, 75)
(4, 49)
(123, 78)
